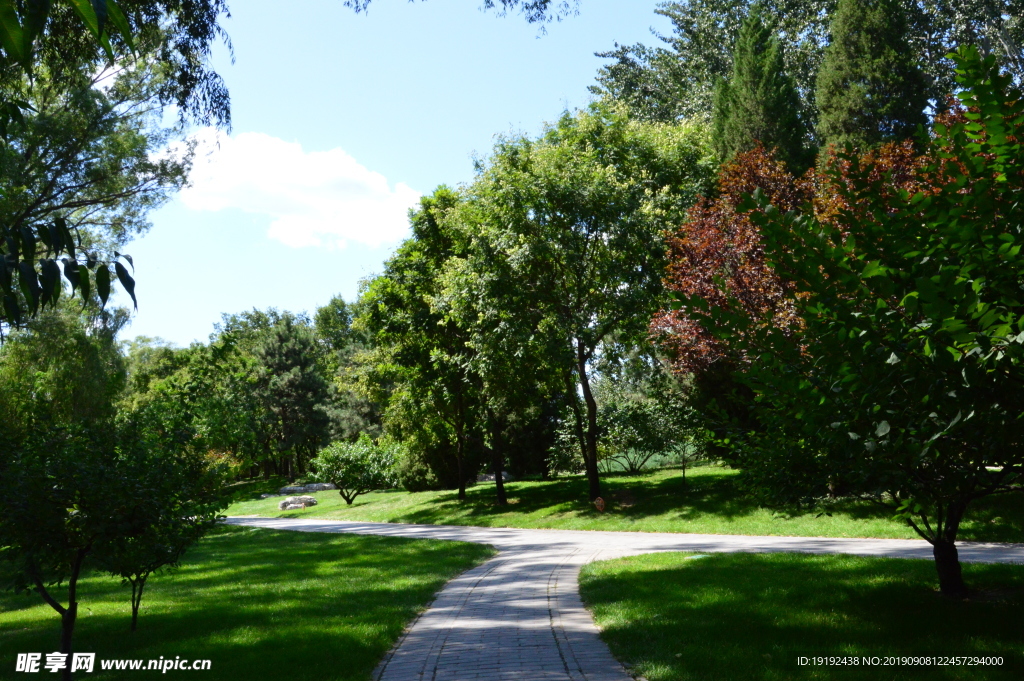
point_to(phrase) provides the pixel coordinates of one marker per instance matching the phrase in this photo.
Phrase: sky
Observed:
(340, 122)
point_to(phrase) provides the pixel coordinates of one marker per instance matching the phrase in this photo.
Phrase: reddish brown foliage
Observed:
(717, 255)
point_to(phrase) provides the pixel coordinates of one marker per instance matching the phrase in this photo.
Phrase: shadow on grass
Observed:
(261, 604)
(752, 616)
(706, 493)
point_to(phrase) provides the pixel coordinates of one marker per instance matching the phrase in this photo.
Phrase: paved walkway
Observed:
(519, 615)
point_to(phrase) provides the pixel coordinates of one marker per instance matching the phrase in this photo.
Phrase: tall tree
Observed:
(574, 220)
(889, 360)
(295, 392)
(675, 78)
(759, 103)
(870, 87)
(421, 355)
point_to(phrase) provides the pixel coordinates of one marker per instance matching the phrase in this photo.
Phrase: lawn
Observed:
(680, 617)
(257, 603)
(710, 501)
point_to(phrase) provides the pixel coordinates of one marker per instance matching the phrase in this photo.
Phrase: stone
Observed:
(489, 477)
(288, 503)
(312, 487)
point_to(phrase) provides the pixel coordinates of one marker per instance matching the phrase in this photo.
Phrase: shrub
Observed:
(357, 467)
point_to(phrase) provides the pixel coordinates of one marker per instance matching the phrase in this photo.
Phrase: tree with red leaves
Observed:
(876, 327)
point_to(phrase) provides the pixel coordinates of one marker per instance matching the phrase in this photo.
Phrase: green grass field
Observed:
(673, 617)
(709, 502)
(259, 604)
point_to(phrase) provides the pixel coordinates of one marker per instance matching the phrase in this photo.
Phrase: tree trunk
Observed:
(498, 461)
(947, 558)
(947, 563)
(137, 599)
(590, 459)
(70, 614)
(459, 455)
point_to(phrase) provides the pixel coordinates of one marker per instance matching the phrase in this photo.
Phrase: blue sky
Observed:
(340, 121)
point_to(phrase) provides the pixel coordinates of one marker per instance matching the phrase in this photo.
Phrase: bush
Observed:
(357, 467)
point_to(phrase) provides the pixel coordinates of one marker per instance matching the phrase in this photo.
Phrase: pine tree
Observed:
(760, 102)
(295, 391)
(870, 88)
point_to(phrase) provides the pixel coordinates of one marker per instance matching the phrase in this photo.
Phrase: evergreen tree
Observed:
(870, 88)
(295, 392)
(760, 102)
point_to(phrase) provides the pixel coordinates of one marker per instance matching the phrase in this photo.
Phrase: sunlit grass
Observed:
(674, 617)
(257, 603)
(708, 502)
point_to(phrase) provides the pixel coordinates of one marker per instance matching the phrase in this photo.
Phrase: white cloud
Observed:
(317, 198)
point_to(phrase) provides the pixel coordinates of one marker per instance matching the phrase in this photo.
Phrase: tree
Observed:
(759, 103)
(676, 80)
(357, 467)
(73, 482)
(421, 356)
(171, 498)
(896, 374)
(870, 87)
(294, 392)
(81, 136)
(573, 221)
(344, 349)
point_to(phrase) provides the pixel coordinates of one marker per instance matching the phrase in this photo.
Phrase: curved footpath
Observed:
(519, 615)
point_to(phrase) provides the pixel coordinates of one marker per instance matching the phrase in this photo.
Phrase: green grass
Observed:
(709, 502)
(744, 616)
(257, 603)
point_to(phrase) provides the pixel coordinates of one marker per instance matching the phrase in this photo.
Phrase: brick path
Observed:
(519, 615)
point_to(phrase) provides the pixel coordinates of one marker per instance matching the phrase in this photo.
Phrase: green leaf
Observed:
(99, 7)
(117, 17)
(87, 13)
(29, 284)
(126, 281)
(50, 282)
(126, 257)
(28, 243)
(71, 273)
(12, 35)
(83, 283)
(69, 239)
(103, 283)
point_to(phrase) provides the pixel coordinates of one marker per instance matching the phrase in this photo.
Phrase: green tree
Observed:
(80, 173)
(900, 381)
(870, 87)
(357, 467)
(574, 222)
(294, 391)
(344, 350)
(73, 481)
(171, 497)
(676, 79)
(421, 355)
(759, 103)
(82, 145)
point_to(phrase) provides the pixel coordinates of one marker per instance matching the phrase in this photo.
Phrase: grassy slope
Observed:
(742, 616)
(258, 603)
(709, 502)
